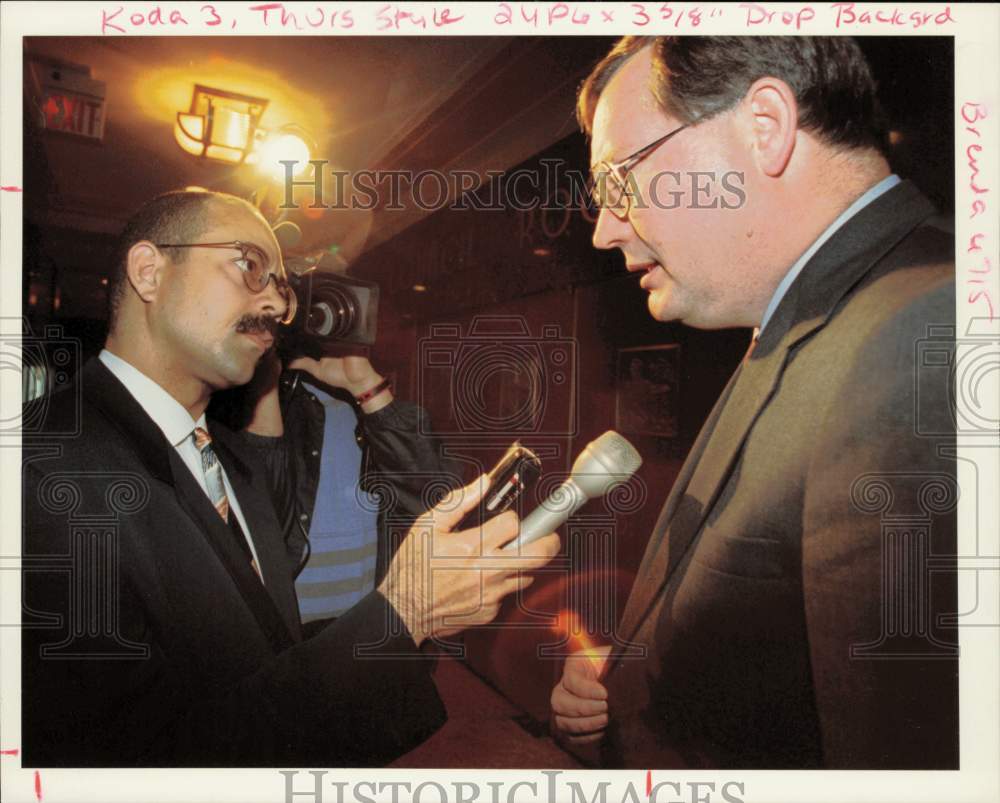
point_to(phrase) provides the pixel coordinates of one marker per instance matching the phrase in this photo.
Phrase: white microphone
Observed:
(603, 463)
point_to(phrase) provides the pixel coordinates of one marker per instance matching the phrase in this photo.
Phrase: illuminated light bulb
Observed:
(282, 147)
(231, 128)
(189, 129)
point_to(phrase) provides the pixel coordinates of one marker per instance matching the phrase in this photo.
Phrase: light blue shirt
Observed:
(882, 187)
(344, 530)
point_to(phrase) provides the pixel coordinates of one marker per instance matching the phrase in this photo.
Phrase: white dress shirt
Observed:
(177, 426)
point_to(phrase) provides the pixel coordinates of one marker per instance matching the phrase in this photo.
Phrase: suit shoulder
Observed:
(909, 288)
(926, 256)
(65, 419)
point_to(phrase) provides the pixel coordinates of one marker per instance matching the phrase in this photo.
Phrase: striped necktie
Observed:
(212, 468)
(213, 472)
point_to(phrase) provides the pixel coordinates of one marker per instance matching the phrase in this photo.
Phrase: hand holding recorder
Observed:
(441, 582)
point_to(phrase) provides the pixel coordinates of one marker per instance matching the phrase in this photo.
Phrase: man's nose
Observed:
(272, 301)
(609, 230)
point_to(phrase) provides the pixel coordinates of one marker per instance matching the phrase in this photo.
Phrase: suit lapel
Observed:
(651, 566)
(260, 518)
(103, 389)
(840, 264)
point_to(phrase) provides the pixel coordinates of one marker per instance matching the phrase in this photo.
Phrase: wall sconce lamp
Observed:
(219, 125)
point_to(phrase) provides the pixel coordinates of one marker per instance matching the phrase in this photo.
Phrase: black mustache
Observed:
(251, 324)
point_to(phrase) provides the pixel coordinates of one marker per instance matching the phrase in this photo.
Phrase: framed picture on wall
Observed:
(647, 389)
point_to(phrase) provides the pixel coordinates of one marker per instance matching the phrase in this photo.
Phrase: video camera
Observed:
(333, 310)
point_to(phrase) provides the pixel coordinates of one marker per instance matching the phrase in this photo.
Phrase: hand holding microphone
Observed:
(442, 581)
(579, 700)
(602, 464)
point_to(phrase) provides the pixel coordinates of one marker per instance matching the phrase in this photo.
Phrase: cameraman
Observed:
(350, 474)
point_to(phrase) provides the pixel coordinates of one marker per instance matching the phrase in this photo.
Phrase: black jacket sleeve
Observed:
(275, 455)
(405, 458)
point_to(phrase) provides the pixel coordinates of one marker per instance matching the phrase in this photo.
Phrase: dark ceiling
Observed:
(457, 103)
(451, 104)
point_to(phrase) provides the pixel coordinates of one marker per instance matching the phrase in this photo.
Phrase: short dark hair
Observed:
(174, 217)
(696, 77)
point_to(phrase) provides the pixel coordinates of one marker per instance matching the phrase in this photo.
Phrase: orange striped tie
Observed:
(213, 472)
(217, 490)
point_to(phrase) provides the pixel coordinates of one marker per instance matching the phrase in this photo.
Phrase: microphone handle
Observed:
(562, 503)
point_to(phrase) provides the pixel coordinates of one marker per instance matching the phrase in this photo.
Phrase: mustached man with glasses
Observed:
(160, 621)
(790, 608)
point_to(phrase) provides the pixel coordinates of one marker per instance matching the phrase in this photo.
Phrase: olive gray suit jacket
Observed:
(789, 599)
(149, 641)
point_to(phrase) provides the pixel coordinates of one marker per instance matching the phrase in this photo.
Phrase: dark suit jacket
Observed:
(149, 641)
(789, 596)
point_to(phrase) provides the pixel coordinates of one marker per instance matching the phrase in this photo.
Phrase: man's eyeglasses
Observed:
(257, 274)
(609, 182)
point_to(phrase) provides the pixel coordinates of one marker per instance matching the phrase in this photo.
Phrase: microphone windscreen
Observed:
(616, 453)
(605, 461)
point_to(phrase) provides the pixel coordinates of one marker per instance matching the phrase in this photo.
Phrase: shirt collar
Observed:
(874, 192)
(167, 413)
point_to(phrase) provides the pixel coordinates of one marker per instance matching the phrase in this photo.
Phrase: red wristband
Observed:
(385, 384)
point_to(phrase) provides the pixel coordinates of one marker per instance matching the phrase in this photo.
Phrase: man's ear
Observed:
(144, 267)
(775, 118)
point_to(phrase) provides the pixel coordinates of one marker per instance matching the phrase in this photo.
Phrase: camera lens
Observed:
(332, 312)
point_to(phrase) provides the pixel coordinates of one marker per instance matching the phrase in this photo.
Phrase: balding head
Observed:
(200, 294)
(180, 216)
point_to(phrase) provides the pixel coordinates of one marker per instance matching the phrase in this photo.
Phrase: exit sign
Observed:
(69, 99)
(74, 114)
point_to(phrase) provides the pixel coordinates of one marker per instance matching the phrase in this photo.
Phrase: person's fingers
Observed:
(358, 367)
(582, 726)
(566, 702)
(304, 364)
(534, 555)
(542, 550)
(580, 679)
(512, 584)
(449, 511)
(588, 663)
(499, 530)
(579, 741)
